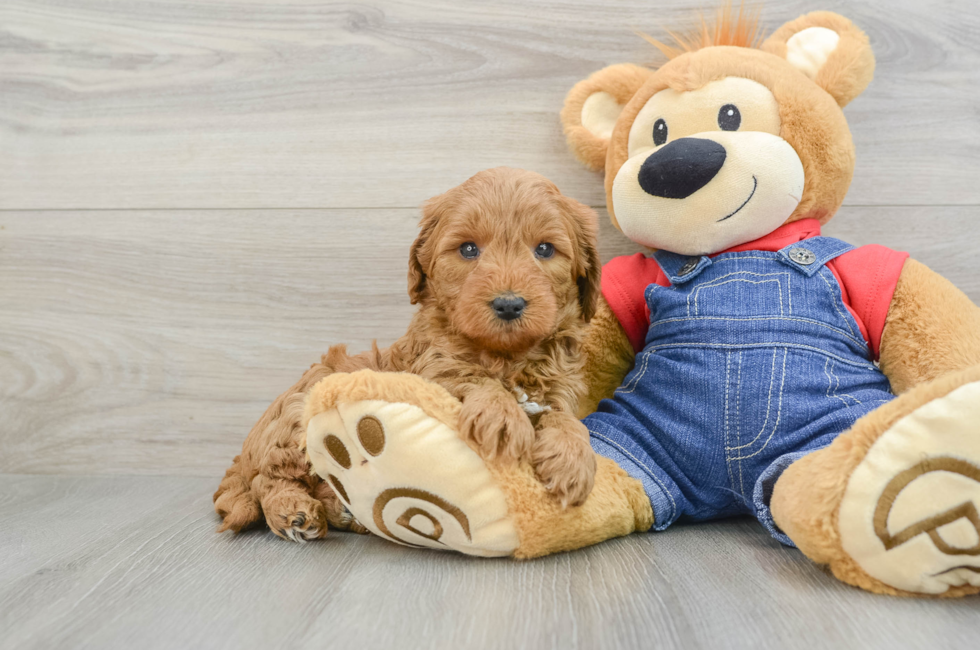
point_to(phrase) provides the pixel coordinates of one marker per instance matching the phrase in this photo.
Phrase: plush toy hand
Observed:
(390, 446)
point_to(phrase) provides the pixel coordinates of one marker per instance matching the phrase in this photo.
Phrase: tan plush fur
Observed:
(617, 505)
(932, 329)
(931, 341)
(456, 340)
(810, 112)
(850, 67)
(930, 347)
(621, 81)
(811, 121)
(608, 355)
(807, 497)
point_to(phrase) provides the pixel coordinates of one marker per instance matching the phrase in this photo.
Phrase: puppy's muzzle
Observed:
(508, 306)
(679, 169)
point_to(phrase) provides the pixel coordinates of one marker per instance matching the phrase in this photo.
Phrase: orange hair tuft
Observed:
(739, 29)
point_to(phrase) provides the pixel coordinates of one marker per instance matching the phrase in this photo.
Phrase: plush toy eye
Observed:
(544, 250)
(659, 132)
(469, 250)
(729, 119)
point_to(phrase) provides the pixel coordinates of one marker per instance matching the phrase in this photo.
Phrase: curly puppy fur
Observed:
(457, 340)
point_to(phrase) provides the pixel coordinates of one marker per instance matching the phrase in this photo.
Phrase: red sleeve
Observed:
(868, 276)
(624, 281)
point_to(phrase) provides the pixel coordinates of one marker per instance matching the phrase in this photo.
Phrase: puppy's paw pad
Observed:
(296, 517)
(409, 478)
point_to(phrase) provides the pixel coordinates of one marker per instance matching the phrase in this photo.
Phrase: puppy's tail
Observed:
(234, 501)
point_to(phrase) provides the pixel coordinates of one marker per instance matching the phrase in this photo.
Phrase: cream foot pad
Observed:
(909, 516)
(408, 477)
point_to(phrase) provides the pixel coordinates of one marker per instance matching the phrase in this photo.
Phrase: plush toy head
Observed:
(728, 140)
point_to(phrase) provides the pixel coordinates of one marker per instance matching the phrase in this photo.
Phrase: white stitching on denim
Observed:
(837, 300)
(765, 423)
(772, 344)
(830, 383)
(649, 472)
(734, 258)
(738, 424)
(779, 413)
(715, 283)
(697, 291)
(728, 462)
(810, 321)
(789, 292)
(635, 381)
(831, 378)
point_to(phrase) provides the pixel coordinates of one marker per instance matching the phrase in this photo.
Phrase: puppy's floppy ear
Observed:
(829, 49)
(419, 256)
(592, 108)
(588, 268)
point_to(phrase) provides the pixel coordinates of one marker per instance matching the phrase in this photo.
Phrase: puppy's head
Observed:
(507, 258)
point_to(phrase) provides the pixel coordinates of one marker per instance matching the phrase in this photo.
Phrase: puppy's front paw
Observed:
(295, 515)
(496, 425)
(565, 463)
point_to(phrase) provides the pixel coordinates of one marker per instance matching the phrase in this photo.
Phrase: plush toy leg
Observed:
(892, 505)
(388, 444)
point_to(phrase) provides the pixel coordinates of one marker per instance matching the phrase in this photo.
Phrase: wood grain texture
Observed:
(134, 562)
(150, 342)
(247, 103)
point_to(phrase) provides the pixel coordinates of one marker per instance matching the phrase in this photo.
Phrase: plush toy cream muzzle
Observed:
(726, 159)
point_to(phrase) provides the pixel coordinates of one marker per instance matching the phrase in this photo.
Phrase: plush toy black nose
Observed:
(509, 306)
(681, 168)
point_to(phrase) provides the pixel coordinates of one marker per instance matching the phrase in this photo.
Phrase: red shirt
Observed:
(867, 277)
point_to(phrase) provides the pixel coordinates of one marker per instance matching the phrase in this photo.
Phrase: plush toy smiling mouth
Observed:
(755, 186)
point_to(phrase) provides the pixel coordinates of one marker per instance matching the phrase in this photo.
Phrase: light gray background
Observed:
(197, 198)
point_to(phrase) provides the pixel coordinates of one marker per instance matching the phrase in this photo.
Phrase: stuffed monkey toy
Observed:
(749, 365)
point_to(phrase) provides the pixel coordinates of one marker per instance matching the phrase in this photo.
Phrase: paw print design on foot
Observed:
(404, 474)
(910, 516)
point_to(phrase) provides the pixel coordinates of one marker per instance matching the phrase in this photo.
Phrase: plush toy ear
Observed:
(592, 108)
(829, 49)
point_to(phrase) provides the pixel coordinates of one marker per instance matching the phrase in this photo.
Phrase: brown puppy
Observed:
(506, 275)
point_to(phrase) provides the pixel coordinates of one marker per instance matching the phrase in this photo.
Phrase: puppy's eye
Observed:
(659, 132)
(469, 250)
(544, 250)
(729, 119)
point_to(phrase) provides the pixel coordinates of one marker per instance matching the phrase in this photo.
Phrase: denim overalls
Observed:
(751, 361)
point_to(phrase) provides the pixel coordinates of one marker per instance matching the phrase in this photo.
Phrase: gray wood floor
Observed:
(196, 198)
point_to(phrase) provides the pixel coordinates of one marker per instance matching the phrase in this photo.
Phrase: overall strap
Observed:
(681, 268)
(809, 255)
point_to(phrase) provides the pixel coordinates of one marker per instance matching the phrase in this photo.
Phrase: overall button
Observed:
(689, 265)
(802, 256)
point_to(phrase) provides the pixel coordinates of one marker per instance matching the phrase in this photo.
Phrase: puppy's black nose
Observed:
(509, 306)
(681, 168)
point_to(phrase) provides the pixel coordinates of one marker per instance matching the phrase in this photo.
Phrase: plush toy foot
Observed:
(893, 506)
(403, 472)
(388, 444)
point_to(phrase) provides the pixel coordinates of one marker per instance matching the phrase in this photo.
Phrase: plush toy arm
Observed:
(608, 357)
(932, 329)
(388, 444)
